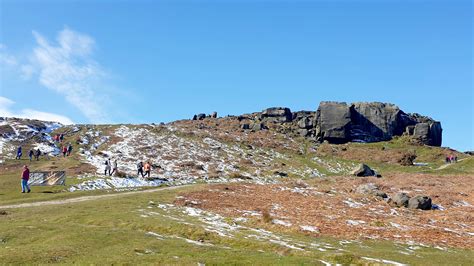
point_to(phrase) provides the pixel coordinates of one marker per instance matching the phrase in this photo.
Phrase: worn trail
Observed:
(84, 198)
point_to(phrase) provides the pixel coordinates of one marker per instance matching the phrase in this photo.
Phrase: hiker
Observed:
(25, 176)
(107, 166)
(455, 158)
(69, 149)
(61, 137)
(114, 167)
(30, 154)
(64, 151)
(140, 169)
(18, 153)
(37, 154)
(147, 168)
(56, 137)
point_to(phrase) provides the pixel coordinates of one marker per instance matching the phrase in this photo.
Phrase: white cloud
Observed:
(6, 59)
(68, 68)
(5, 111)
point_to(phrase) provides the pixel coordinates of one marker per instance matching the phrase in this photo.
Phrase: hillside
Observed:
(267, 186)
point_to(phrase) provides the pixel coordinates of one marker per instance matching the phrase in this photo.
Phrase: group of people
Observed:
(110, 167)
(451, 159)
(67, 149)
(58, 137)
(35, 153)
(144, 169)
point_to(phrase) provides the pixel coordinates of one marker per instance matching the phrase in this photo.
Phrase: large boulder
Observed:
(371, 189)
(199, 117)
(401, 199)
(436, 134)
(333, 120)
(426, 130)
(338, 122)
(377, 121)
(277, 115)
(363, 170)
(420, 202)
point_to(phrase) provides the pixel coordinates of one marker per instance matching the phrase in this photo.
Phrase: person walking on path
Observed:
(140, 169)
(107, 166)
(37, 154)
(30, 154)
(61, 137)
(114, 167)
(25, 176)
(64, 151)
(69, 149)
(147, 168)
(18, 153)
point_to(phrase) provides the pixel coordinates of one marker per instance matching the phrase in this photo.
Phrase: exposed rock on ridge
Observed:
(339, 122)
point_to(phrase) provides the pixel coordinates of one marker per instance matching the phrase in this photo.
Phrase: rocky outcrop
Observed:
(363, 170)
(401, 199)
(371, 189)
(333, 121)
(339, 122)
(371, 122)
(277, 115)
(420, 202)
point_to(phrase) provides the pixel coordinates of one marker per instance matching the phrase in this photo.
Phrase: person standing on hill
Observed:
(30, 154)
(107, 166)
(18, 153)
(61, 137)
(64, 150)
(147, 168)
(114, 167)
(25, 176)
(37, 154)
(140, 169)
(69, 149)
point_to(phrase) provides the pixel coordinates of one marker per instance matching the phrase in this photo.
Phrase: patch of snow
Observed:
(309, 228)
(281, 222)
(352, 203)
(114, 183)
(355, 222)
(384, 261)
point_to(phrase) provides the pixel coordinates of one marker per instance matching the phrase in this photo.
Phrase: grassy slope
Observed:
(112, 231)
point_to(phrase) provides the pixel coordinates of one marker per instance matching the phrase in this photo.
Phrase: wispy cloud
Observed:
(68, 67)
(6, 111)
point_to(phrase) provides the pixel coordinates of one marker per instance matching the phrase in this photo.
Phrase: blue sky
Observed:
(153, 61)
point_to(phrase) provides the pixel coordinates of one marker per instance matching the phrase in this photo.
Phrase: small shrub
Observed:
(121, 174)
(266, 216)
(407, 158)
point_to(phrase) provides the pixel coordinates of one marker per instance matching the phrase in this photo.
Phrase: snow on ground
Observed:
(115, 183)
(178, 159)
(50, 149)
(281, 222)
(215, 223)
(23, 130)
(309, 228)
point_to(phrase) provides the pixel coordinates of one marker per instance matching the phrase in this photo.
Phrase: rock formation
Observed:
(339, 122)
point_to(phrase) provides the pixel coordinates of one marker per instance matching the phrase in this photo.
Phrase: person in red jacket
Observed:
(64, 150)
(25, 176)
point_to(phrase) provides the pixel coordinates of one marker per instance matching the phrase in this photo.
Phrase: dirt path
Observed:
(449, 164)
(84, 198)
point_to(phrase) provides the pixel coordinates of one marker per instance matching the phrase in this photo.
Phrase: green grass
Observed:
(111, 231)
